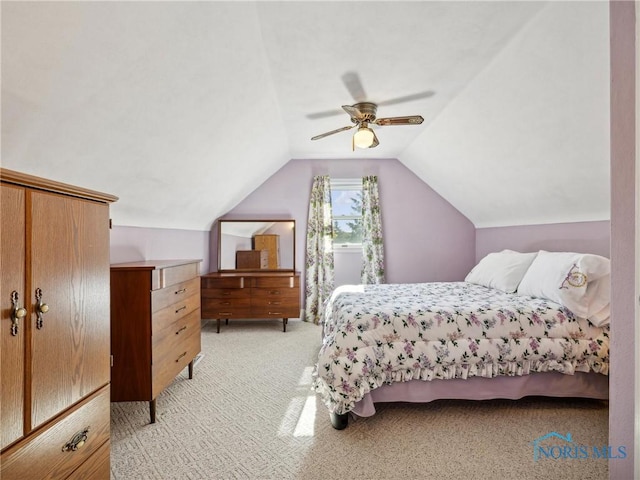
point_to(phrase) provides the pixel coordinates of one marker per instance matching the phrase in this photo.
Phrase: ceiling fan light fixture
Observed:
(364, 137)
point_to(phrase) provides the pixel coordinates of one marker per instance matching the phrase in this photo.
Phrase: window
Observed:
(346, 205)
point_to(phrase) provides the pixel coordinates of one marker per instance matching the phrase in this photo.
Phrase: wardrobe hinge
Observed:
(110, 224)
(111, 359)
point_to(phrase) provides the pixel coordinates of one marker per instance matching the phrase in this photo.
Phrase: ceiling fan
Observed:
(363, 114)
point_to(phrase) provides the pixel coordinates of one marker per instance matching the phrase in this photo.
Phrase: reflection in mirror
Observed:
(253, 245)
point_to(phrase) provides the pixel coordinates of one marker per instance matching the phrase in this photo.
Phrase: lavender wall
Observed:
(426, 239)
(583, 237)
(130, 244)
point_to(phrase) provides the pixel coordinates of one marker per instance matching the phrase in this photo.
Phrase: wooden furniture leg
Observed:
(284, 324)
(152, 410)
(339, 421)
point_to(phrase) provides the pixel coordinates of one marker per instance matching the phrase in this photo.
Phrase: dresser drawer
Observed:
(275, 311)
(171, 314)
(226, 293)
(276, 282)
(167, 276)
(217, 308)
(175, 293)
(285, 294)
(275, 302)
(224, 282)
(168, 338)
(42, 456)
(165, 369)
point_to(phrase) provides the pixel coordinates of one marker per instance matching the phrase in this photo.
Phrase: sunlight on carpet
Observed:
(300, 416)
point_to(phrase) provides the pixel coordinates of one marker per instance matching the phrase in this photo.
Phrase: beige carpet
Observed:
(249, 414)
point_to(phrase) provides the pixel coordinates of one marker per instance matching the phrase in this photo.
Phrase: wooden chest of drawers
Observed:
(251, 295)
(155, 327)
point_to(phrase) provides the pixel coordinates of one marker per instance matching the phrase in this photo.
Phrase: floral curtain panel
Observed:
(319, 279)
(372, 245)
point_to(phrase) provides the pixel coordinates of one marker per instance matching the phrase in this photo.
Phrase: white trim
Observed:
(347, 248)
(346, 183)
(636, 446)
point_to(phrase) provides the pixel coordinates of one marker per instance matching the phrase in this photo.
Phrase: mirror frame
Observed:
(257, 220)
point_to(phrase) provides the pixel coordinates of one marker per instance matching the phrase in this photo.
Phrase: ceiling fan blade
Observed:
(337, 130)
(353, 111)
(354, 86)
(407, 98)
(408, 120)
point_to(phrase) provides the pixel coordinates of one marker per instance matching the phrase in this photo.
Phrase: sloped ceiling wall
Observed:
(183, 108)
(527, 142)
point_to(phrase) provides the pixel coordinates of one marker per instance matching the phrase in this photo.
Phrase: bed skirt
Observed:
(548, 384)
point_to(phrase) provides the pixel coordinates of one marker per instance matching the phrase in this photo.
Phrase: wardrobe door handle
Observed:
(17, 313)
(41, 309)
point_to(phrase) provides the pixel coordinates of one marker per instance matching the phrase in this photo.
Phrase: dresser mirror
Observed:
(256, 245)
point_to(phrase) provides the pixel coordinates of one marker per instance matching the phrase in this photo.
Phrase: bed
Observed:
(519, 325)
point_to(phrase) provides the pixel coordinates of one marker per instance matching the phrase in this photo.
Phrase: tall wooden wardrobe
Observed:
(54, 329)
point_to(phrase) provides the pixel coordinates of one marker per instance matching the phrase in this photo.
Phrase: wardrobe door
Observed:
(12, 338)
(70, 274)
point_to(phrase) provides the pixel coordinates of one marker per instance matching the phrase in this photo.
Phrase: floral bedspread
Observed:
(377, 334)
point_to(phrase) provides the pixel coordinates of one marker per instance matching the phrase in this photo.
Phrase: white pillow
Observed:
(501, 270)
(580, 282)
(601, 318)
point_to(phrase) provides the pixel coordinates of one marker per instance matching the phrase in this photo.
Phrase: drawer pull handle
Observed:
(225, 303)
(226, 293)
(275, 313)
(182, 290)
(224, 313)
(181, 355)
(275, 292)
(275, 303)
(17, 313)
(77, 441)
(183, 328)
(41, 309)
(181, 308)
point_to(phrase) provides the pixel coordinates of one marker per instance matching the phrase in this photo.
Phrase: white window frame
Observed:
(346, 184)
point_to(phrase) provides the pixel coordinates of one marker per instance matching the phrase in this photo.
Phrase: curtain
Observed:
(372, 245)
(319, 280)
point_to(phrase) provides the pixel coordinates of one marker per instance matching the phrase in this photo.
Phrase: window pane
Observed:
(346, 202)
(346, 205)
(347, 231)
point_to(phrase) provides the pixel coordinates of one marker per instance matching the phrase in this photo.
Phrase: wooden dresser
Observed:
(251, 295)
(155, 327)
(54, 330)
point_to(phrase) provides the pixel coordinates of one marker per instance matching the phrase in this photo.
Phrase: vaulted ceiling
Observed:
(183, 108)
